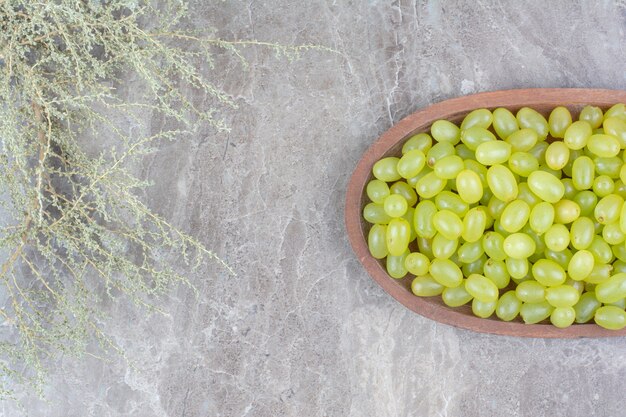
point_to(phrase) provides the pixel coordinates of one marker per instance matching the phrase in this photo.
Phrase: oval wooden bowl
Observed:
(390, 144)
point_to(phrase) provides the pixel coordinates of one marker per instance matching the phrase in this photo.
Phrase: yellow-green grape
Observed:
(542, 217)
(548, 273)
(613, 289)
(425, 246)
(448, 224)
(619, 266)
(567, 169)
(557, 237)
(618, 110)
(395, 265)
(470, 252)
(493, 244)
(616, 127)
(620, 303)
(562, 296)
(570, 191)
(417, 263)
(464, 152)
(474, 136)
(581, 265)
(557, 155)
(583, 173)
(409, 216)
(377, 191)
(474, 224)
(469, 186)
(586, 307)
(622, 218)
(522, 140)
(405, 190)
(504, 122)
(590, 287)
(533, 313)
(411, 163)
(375, 213)
(426, 286)
(479, 117)
(563, 317)
(610, 317)
(475, 267)
(608, 209)
(592, 115)
(519, 246)
(438, 151)
(599, 131)
(518, 268)
(423, 219)
(421, 142)
(603, 145)
(478, 168)
(531, 119)
(540, 246)
(554, 173)
(502, 183)
(398, 236)
(456, 296)
(449, 167)
(620, 188)
(496, 271)
(483, 309)
(599, 273)
(530, 292)
(620, 252)
(481, 288)
(546, 186)
(622, 173)
(523, 163)
(508, 306)
(414, 180)
(447, 200)
(395, 205)
(526, 195)
(603, 186)
(539, 152)
(514, 216)
(612, 234)
(446, 272)
(377, 241)
(442, 247)
(609, 166)
(561, 257)
(566, 211)
(587, 201)
(386, 169)
(445, 131)
(558, 121)
(493, 152)
(430, 185)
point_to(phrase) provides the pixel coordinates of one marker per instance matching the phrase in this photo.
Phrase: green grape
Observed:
(526, 195)
(620, 188)
(570, 191)
(563, 317)
(561, 257)
(622, 173)
(578, 285)
(445, 131)
(377, 241)
(613, 289)
(518, 268)
(479, 117)
(438, 151)
(608, 209)
(395, 205)
(496, 271)
(508, 306)
(447, 200)
(548, 273)
(448, 224)
(609, 166)
(541, 217)
(493, 244)
(493, 152)
(422, 142)
(568, 168)
(599, 273)
(620, 303)
(583, 173)
(531, 119)
(592, 115)
(603, 145)
(586, 307)
(425, 246)
(540, 246)
(581, 265)
(603, 186)
(546, 186)
(426, 286)
(523, 163)
(478, 168)
(557, 155)
(535, 312)
(610, 317)
(470, 252)
(423, 219)
(469, 186)
(612, 234)
(449, 167)
(398, 236)
(474, 224)
(409, 216)
(599, 131)
(618, 110)
(405, 190)
(514, 216)
(395, 265)
(464, 152)
(519, 246)
(558, 121)
(622, 218)
(504, 122)
(556, 174)
(442, 247)
(375, 213)
(619, 266)
(495, 207)
(414, 180)
(557, 237)
(620, 252)
(483, 309)
(446, 272)
(481, 288)
(562, 296)
(566, 211)
(502, 183)
(475, 267)
(530, 292)
(411, 163)
(386, 169)
(616, 127)
(474, 136)
(587, 202)
(430, 185)
(456, 296)
(377, 191)
(522, 140)
(539, 152)
(417, 264)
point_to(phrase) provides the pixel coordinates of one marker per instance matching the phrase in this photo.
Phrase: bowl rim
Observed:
(418, 122)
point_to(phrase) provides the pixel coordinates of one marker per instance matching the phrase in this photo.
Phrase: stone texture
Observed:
(302, 330)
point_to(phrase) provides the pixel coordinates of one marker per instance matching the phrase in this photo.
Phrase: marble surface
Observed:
(302, 330)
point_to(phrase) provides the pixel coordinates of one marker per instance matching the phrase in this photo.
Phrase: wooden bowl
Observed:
(390, 144)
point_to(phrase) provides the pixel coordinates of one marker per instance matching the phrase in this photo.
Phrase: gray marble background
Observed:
(302, 330)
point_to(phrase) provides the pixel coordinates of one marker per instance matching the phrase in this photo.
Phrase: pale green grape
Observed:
(620, 303)
(395, 205)
(522, 140)
(395, 265)
(423, 219)
(398, 236)
(599, 273)
(479, 117)
(559, 120)
(616, 127)
(464, 152)
(417, 263)
(445, 131)
(474, 224)
(557, 237)
(504, 122)
(562, 296)
(447, 200)
(620, 188)
(519, 246)
(448, 224)
(566, 211)
(603, 186)
(618, 110)
(587, 201)
(548, 273)
(456, 296)
(586, 307)
(535, 312)
(531, 119)
(518, 268)
(375, 213)
(475, 267)
(481, 288)
(424, 246)
(514, 216)
(377, 191)
(411, 163)
(583, 173)
(608, 209)
(609, 166)
(422, 142)
(508, 306)
(530, 292)
(603, 145)
(386, 169)
(613, 289)
(620, 252)
(442, 247)
(612, 234)
(526, 195)
(502, 183)
(592, 115)
(474, 136)
(563, 317)
(449, 167)
(546, 186)
(610, 317)
(557, 155)
(556, 174)
(493, 244)
(567, 169)
(483, 309)
(581, 265)
(405, 190)
(478, 168)
(438, 151)
(493, 152)
(539, 152)
(496, 271)
(426, 286)
(469, 186)
(470, 252)
(542, 217)
(414, 180)
(377, 242)
(446, 272)
(523, 163)
(430, 185)
(622, 173)
(495, 207)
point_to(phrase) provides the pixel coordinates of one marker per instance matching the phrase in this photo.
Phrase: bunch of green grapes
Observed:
(514, 213)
